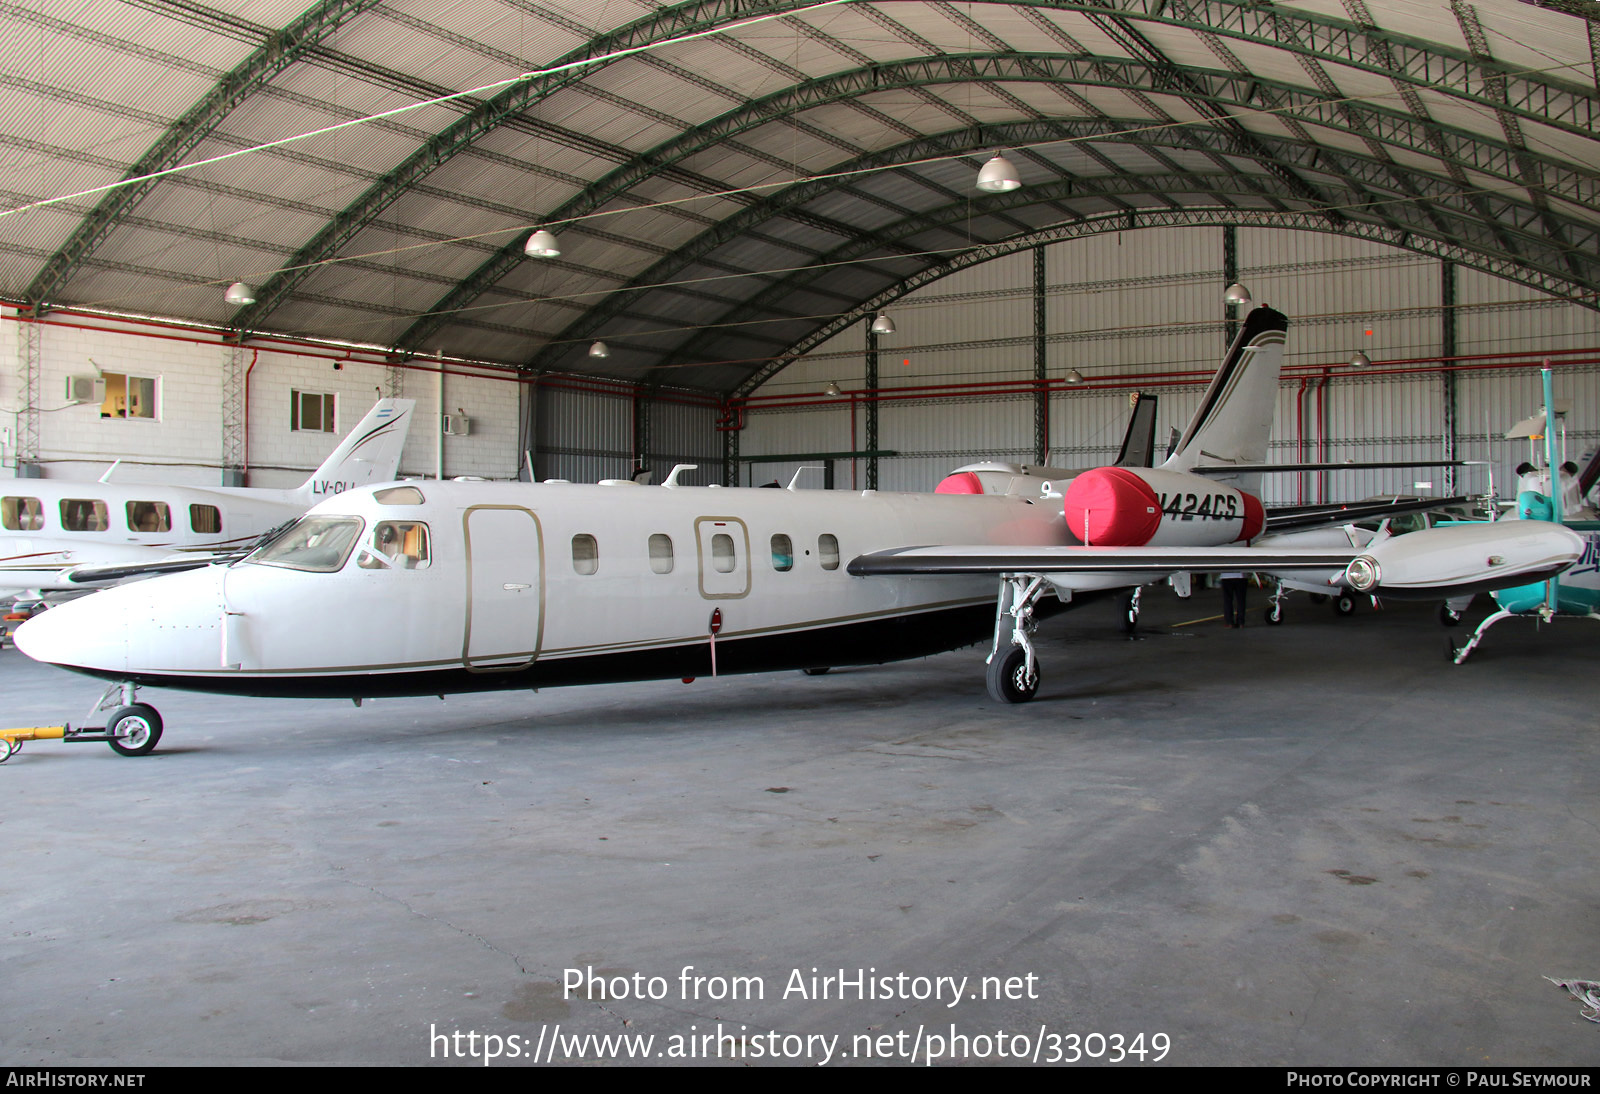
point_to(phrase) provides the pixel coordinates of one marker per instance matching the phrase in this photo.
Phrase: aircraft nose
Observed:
(161, 625)
(86, 633)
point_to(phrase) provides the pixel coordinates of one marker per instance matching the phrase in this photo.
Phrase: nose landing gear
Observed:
(133, 729)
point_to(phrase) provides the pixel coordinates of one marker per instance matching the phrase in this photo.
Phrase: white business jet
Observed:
(439, 587)
(54, 532)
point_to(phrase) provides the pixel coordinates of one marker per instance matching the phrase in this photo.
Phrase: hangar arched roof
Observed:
(725, 200)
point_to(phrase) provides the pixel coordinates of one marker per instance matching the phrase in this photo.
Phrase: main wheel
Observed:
(1345, 604)
(134, 730)
(1009, 679)
(1449, 616)
(1274, 613)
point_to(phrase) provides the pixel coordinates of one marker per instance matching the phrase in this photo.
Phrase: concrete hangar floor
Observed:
(1315, 843)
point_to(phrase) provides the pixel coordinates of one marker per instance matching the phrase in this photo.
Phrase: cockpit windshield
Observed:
(318, 545)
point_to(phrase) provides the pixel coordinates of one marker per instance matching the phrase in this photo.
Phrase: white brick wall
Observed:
(184, 444)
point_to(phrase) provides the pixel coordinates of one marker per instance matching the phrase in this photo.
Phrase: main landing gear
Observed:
(1274, 612)
(1013, 675)
(1130, 610)
(132, 729)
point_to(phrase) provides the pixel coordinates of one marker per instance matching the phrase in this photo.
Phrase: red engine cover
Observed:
(962, 482)
(1255, 517)
(1112, 507)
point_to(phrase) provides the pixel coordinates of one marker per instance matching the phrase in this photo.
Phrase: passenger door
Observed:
(505, 590)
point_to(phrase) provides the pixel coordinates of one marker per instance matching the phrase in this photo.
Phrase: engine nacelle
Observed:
(1149, 507)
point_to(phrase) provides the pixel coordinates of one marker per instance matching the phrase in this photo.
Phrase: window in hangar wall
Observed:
(129, 397)
(311, 412)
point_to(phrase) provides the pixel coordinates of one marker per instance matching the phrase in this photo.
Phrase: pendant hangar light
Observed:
(239, 294)
(882, 325)
(541, 244)
(998, 176)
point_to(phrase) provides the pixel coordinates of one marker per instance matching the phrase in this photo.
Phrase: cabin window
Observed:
(128, 397)
(828, 551)
(318, 545)
(84, 515)
(398, 495)
(22, 514)
(205, 519)
(661, 553)
(311, 412)
(396, 545)
(722, 553)
(585, 553)
(782, 553)
(149, 516)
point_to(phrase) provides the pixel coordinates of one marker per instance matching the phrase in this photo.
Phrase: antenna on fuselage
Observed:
(672, 478)
(794, 483)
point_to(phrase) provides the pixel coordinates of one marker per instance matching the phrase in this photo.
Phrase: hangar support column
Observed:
(641, 428)
(1041, 394)
(30, 371)
(233, 414)
(871, 405)
(1230, 274)
(1447, 350)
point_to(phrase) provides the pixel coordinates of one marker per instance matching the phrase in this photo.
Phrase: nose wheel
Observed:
(134, 730)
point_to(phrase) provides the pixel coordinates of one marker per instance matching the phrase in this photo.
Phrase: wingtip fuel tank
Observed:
(1455, 560)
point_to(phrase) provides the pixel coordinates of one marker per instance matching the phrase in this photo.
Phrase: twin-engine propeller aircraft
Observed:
(437, 587)
(59, 536)
(1577, 591)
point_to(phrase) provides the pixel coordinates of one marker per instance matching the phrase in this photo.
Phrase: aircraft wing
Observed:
(988, 559)
(1300, 517)
(191, 558)
(1432, 564)
(1353, 465)
(111, 574)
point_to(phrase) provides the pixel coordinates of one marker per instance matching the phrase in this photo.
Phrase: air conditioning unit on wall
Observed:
(86, 389)
(457, 425)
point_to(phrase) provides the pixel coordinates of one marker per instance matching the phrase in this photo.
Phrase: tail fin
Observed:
(369, 453)
(1139, 442)
(1234, 421)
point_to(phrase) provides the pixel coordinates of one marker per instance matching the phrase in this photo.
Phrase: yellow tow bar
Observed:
(131, 731)
(11, 739)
